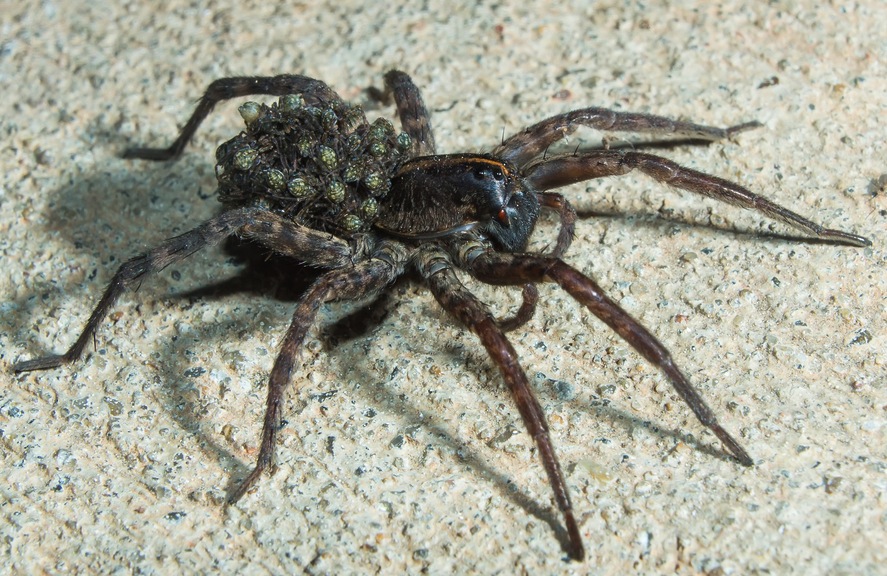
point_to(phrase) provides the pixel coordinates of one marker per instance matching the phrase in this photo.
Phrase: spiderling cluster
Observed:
(323, 165)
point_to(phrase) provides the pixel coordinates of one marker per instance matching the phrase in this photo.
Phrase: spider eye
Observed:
(485, 173)
(502, 217)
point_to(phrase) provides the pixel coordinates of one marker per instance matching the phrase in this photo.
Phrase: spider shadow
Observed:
(437, 432)
(271, 278)
(606, 410)
(662, 223)
(356, 324)
(112, 216)
(110, 232)
(350, 326)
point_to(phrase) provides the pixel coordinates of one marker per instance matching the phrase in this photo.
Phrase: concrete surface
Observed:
(402, 451)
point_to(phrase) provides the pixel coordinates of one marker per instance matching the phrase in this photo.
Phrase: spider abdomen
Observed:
(321, 163)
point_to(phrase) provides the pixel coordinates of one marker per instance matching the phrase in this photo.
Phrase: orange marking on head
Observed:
(431, 162)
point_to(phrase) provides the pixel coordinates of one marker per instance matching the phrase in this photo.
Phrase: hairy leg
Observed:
(564, 170)
(530, 296)
(343, 284)
(533, 141)
(227, 88)
(457, 300)
(567, 215)
(505, 269)
(413, 115)
(272, 230)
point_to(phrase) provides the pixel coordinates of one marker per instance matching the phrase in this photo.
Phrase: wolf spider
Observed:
(312, 179)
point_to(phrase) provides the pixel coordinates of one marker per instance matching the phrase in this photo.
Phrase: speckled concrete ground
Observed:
(402, 451)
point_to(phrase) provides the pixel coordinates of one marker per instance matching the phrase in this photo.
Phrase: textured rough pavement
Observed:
(402, 451)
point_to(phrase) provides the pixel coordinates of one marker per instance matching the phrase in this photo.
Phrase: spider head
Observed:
(444, 195)
(511, 208)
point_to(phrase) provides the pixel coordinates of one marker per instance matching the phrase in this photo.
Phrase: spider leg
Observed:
(505, 269)
(568, 220)
(527, 308)
(274, 231)
(413, 115)
(227, 88)
(436, 268)
(347, 284)
(564, 170)
(565, 237)
(534, 140)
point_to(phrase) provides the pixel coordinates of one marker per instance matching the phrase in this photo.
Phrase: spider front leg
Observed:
(435, 267)
(343, 284)
(506, 269)
(530, 297)
(530, 294)
(227, 88)
(535, 140)
(564, 170)
(567, 215)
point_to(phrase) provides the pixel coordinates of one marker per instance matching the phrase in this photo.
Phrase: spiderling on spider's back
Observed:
(311, 179)
(322, 165)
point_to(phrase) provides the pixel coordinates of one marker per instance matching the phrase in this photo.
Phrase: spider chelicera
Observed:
(312, 179)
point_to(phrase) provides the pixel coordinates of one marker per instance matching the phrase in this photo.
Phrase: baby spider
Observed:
(310, 178)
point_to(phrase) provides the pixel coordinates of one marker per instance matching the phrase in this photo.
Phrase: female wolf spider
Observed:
(312, 179)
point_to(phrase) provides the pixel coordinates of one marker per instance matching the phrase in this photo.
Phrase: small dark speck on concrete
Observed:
(863, 336)
(324, 396)
(15, 412)
(564, 390)
(877, 185)
(606, 389)
(176, 275)
(84, 402)
(175, 516)
(831, 484)
(397, 441)
(330, 440)
(195, 372)
(775, 281)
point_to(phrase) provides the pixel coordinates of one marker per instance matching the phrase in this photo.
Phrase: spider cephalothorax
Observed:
(312, 179)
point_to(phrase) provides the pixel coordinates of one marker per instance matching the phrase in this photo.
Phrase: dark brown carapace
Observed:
(312, 179)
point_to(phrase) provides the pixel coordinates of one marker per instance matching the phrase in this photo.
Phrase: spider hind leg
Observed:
(414, 117)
